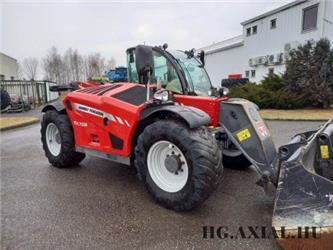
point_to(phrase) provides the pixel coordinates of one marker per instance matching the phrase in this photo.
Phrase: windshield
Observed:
(196, 75)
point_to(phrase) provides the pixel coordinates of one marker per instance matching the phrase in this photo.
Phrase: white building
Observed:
(266, 39)
(8, 67)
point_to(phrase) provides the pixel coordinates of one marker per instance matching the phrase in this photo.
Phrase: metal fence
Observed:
(35, 92)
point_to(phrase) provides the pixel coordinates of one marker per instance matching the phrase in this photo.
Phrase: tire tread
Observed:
(68, 157)
(203, 152)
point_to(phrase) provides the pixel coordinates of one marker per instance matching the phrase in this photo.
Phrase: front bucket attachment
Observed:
(303, 212)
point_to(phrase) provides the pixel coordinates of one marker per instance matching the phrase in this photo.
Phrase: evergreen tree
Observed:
(309, 73)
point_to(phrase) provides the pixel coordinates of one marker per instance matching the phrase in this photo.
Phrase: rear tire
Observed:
(58, 140)
(197, 156)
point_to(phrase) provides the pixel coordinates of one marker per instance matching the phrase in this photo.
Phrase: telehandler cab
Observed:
(175, 128)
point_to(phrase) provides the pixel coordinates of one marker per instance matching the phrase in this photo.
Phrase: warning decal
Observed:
(262, 128)
(243, 135)
(324, 151)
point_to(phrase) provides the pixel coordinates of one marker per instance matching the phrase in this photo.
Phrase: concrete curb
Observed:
(295, 120)
(22, 124)
(314, 115)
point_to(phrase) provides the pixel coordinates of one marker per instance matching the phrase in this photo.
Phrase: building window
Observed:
(310, 15)
(248, 32)
(247, 73)
(253, 73)
(270, 71)
(254, 30)
(273, 23)
(2, 77)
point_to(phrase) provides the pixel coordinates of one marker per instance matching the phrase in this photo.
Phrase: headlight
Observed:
(161, 95)
(224, 91)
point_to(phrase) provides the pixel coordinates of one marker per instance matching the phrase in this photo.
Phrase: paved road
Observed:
(99, 205)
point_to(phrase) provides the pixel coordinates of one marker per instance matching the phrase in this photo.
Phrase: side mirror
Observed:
(202, 57)
(144, 62)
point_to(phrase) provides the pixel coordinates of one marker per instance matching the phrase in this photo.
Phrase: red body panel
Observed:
(88, 112)
(211, 105)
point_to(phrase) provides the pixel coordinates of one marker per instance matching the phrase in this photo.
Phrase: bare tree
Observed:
(53, 65)
(111, 64)
(95, 65)
(30, 67)
(71, 66)
(20, 73)
(74, 62)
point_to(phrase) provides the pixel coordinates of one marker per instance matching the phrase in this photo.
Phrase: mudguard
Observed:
(58, 106)
(192, 116)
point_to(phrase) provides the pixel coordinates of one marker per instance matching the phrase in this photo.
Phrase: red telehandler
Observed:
(175, 128)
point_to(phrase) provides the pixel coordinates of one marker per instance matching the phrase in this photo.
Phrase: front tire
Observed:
(58, 140)
(180, 167)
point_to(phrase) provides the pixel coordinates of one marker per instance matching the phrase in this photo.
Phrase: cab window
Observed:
(165, 73)
(133, 74)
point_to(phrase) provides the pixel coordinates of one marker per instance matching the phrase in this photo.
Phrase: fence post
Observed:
(21, 96)
(45, 91)
(33, 94)
(38, 93)
(27, 93)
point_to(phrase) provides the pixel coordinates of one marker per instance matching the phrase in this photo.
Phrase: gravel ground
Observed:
(100, 205)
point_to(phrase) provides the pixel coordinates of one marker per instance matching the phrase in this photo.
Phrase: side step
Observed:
(107, 156)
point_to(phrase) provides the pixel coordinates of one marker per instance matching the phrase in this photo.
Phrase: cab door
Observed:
(164, 72)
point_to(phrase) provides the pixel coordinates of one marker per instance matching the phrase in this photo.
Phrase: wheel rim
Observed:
(167, 176)
(53, 139)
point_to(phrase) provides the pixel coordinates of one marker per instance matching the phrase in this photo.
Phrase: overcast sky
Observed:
(29, 29)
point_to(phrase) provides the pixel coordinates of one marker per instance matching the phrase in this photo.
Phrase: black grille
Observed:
(108, 89)
(88, 90)
(99, 90)
(135, 95)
